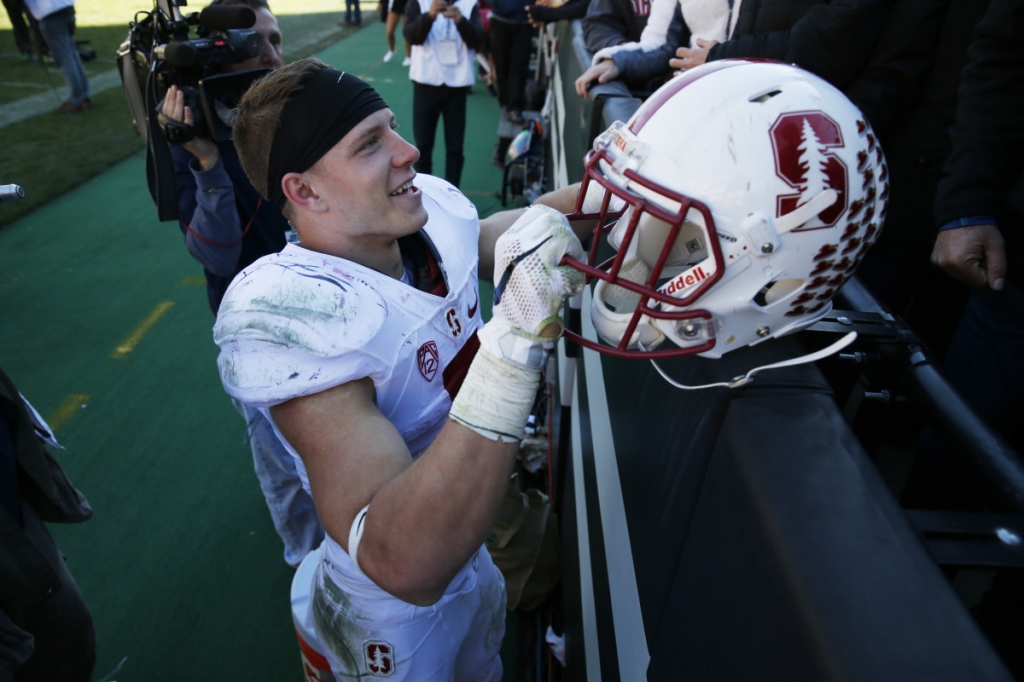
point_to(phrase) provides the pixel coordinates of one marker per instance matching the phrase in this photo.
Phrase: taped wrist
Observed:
(496, 397)
(502, 340)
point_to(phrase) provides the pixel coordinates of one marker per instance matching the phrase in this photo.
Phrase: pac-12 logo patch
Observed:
(802, 142)
(427, 359)
(380, 659)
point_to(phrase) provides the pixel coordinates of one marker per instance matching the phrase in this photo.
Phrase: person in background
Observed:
(510, 42)
(46, 630)
(543, 12)
(30, 43)
(57, 24)
(979, 212)
(227, 226)
(395, 12)
(444, 39)
(353, 13)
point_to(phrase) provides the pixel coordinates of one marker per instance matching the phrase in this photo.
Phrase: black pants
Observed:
(24, 33)
(62, 627)
(510, 46)
(430, 102)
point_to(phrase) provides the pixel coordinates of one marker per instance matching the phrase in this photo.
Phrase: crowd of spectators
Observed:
(942, 84)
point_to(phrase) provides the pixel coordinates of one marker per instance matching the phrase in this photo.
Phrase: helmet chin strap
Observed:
(745, 379)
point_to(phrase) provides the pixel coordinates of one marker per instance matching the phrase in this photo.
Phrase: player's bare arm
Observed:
(562, 200)
(427, 517)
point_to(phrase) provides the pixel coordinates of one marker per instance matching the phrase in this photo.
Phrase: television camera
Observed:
(159, 52)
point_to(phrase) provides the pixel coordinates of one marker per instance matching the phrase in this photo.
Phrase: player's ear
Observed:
(299, 190)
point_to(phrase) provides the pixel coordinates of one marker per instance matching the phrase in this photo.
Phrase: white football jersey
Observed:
(299, 322)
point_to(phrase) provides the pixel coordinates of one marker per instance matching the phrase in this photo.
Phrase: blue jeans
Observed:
(291, 507)
(350, 7)
(59, 31)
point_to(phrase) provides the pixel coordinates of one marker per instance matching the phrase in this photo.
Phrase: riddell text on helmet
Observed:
(686, 280)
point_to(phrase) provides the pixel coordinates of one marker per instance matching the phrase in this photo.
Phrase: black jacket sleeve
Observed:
(471, 29)
(605, 25)
(574, 9)
(417, 24)
(985, 172)
(895, 75)
(831, 39)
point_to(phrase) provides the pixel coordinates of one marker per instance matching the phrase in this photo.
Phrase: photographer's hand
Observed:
(202, 148)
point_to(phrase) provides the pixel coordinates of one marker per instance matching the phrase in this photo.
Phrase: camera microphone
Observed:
(226, 17)
(179, 53)
(10, 193)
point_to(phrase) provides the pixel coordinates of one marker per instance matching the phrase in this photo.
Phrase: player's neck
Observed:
(385, 258)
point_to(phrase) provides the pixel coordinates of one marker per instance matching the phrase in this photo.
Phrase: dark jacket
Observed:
(209, 202)
(573, 9)
(908, 90)
(610, 22)
(985, 172)
(510, 10)
(831, 38)
(25, 575)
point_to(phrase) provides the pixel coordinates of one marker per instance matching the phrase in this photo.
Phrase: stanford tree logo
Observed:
(380, 659)
(801, 141)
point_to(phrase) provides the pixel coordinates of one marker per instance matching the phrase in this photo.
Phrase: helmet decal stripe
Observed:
(670, 89)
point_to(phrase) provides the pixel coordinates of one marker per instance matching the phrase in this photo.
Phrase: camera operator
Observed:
(227, 226)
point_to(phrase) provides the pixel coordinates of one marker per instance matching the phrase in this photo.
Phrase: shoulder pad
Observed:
(447, 195)
(282, 317)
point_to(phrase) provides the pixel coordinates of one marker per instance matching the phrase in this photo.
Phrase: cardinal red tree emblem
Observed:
(802, 142)
(380, 659)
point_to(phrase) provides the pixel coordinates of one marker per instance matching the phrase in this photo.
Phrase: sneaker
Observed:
(388, 55)
(407, 61)
(516, 116)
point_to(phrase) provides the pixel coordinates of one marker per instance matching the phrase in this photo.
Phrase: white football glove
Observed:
(530, 285)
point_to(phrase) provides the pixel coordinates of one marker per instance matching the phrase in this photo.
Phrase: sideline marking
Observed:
(67, 409)
(591, 645)
(628, 622)
(133, 339)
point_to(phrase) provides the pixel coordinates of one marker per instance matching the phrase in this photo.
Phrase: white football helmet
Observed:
(738, 198)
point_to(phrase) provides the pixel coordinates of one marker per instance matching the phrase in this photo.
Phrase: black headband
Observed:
(323, 110)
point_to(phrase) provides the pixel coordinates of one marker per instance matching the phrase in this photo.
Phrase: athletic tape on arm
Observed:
(355, 535)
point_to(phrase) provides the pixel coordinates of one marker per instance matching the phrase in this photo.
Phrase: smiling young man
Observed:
(364, 347)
